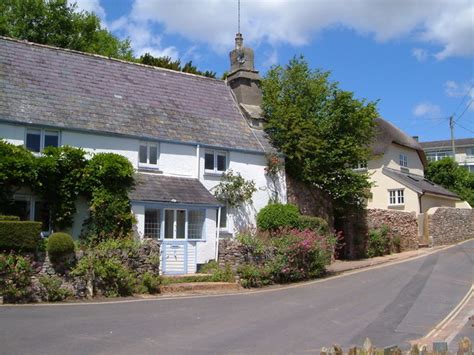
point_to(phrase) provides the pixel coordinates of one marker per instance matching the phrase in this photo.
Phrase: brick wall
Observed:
(450, 225)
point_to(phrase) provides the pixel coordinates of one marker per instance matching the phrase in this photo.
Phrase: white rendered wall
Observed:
(207, 250)
(94, 143)
(13, 134)
(391, 159)
(177, 159)
(138, 211)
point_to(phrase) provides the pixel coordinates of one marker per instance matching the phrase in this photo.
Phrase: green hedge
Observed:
(277, 215)
(9, 218)
(22, 236)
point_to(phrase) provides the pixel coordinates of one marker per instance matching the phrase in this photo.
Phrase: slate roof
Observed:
(387, 133)
(447, 143)
(50, 86)
(170, 189)
(418, 183)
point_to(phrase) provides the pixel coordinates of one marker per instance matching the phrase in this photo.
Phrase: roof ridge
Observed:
(99, 56)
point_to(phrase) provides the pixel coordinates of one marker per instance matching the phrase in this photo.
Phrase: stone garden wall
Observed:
(450, 225)
(233, 253)
(401, 224)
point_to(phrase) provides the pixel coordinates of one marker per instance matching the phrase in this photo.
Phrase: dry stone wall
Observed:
(234, 253)
(401, 224)
(450, 225)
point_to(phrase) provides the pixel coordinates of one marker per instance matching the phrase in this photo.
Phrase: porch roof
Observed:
(170, 189)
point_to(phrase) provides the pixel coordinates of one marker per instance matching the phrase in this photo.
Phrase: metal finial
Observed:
(238, 17)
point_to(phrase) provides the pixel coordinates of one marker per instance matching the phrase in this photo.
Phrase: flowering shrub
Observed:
(295, 255)
(15, 278)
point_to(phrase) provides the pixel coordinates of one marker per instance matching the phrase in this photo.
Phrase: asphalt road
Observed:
(391, 305)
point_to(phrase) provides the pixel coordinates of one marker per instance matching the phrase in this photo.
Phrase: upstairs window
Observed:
(215, 161)
(403, 160)
(148, 155)
(37, 139)
(396, 197)
(361, 166)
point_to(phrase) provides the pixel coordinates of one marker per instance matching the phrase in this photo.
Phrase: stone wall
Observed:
(402, 224)
(310, 200)
(450, 225)
(233, 253)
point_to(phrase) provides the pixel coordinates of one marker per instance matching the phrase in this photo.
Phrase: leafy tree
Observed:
(447, 173)
(58, 23)
(322, 130)
(168, 63)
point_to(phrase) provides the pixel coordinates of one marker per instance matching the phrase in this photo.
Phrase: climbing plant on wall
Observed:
(234, 190)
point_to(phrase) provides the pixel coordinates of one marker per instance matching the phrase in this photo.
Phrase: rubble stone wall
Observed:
(450, 225)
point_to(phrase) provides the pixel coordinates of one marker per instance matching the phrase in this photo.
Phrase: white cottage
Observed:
(180, 131)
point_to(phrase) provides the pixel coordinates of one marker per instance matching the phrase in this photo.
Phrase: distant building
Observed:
(436, 150)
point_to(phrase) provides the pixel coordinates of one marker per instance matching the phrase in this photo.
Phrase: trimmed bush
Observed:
(15, 280)
(275, 216)
(253, 276)
(59, 245)
(19, 236)
(316, 224)
(150, 283)
(9, 218)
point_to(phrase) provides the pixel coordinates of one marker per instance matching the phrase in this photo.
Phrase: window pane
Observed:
(169, 220)
(21, 208)
(221, 162)
(209, 161)
(33, 140)
(42, 214)
(143, 154)
(180, 224)
(195, 224)
(152, 223)
(223, 221)
(51, 139)
(153, 154)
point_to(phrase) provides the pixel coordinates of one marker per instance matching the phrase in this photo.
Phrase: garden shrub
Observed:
(149, 283)
(253, 276)
(15, 281)
(316, 224)
(20, 236)
(59, 245)
(217, 273)
(103, 266)
(276, 215)
(252, 243)
(52, 289)
(9, 218)
(378, 242)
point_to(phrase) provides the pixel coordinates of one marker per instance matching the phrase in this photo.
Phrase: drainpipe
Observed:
(198, 159)
(218, 232)
(419, 201)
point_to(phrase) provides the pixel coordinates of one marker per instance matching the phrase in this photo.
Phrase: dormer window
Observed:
(403, 160)
(215, 161)
(148, 155)
(38, 138)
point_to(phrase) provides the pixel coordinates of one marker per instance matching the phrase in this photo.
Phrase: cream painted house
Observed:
(396, 172)
(180, 132)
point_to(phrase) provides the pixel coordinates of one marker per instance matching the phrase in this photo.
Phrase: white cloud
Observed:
(142, 38)
(91, 6)
(426, 109)
(420, 54)
(460, 90)
(445, 23)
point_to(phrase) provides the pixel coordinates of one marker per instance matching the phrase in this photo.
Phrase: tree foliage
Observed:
(58, 23)
(447, 173)
(322, 130)
(169, 63)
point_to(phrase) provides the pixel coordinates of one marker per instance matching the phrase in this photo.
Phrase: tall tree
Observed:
(58, 23)
(322, 130)
(447, 173)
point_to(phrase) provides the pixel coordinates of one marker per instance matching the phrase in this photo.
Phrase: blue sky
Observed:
(415, 56)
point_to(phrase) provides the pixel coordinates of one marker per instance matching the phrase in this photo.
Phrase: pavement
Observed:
(391, 303)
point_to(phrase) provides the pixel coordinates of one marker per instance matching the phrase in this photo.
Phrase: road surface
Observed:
(390, 304)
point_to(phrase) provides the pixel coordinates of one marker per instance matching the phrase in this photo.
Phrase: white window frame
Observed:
(148, 145)
(42, 137)
(361, 166)
(216, 153)
(396, 197)
(403, 160)
(226, 227)
(31, 200)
